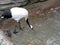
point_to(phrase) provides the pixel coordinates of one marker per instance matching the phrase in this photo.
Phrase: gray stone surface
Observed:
(6, 4)
(46, 31)
(4, 40)
(10, 1)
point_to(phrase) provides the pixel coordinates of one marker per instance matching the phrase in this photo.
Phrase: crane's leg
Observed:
(19, 24)
(8, 33)
(15, 31)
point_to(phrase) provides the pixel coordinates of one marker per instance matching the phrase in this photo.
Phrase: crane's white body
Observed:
(19, 13)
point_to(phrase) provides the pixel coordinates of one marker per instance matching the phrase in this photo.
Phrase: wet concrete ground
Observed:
(46, 31)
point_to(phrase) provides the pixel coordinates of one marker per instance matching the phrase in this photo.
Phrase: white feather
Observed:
(19, 13)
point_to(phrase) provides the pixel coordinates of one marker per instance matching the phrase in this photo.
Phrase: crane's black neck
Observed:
(7, 14)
